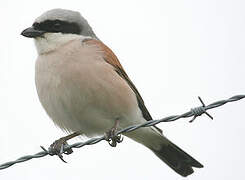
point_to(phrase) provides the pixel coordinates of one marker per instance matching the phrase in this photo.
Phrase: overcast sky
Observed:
(173, 50)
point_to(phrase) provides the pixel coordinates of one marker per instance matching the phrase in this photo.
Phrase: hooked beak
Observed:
(32, 33)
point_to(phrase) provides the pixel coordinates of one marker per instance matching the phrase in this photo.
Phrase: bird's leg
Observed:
(112, 137)
(57, 148)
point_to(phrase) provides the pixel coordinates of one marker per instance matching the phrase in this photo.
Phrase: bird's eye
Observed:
(57, 26)
(36, 25)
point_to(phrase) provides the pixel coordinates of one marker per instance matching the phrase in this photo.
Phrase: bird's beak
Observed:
(32, 33)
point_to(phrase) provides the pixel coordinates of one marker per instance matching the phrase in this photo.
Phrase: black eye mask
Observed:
(58, 26)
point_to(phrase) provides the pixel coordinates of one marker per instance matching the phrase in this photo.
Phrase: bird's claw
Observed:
(113, 138)
(57, 148)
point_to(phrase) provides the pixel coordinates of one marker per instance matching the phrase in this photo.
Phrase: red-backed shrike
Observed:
(85, 90)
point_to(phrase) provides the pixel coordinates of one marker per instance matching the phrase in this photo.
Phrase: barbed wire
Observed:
(195, 112)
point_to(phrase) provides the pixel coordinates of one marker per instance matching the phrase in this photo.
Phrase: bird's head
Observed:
(56, 27)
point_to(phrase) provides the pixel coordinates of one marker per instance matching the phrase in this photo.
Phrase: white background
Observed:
(173, 51)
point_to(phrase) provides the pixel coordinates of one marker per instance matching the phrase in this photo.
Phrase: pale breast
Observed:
(81, 92)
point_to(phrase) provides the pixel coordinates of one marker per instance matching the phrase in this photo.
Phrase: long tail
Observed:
(172, 155)
(177, 159)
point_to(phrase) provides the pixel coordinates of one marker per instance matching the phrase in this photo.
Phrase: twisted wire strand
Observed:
(194, 112)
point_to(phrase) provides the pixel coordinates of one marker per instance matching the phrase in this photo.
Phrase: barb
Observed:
(198, 111)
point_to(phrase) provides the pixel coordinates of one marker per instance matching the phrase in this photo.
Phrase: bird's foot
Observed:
(57, 148)
(112, 137)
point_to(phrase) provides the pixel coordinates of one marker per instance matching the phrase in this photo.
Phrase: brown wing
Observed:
(111, 58)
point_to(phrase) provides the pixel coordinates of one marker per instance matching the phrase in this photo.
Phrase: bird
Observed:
(84, 89)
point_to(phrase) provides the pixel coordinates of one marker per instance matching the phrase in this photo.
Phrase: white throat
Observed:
(52, 41)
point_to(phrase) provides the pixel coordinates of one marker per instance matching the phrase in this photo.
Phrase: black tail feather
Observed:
(177, 159)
